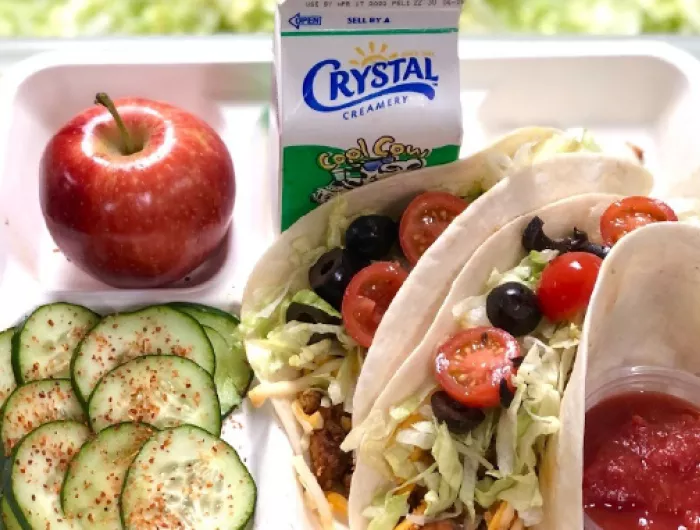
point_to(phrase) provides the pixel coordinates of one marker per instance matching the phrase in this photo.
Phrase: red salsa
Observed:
(642, 463)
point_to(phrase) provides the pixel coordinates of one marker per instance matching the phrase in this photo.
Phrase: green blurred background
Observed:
(72, 18)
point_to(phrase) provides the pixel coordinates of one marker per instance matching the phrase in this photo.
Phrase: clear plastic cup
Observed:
(671, 382)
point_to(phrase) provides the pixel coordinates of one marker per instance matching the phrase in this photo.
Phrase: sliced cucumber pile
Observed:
(43, 345)
(69, 444)
(220, 493)
(233, 375)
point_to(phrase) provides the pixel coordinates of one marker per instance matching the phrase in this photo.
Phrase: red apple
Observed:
(137, 193)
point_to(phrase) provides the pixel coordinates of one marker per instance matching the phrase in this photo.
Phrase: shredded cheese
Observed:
(408, 488)
(413, 418)
(503, 518)
(339, 504)
(310, 423)
(416, 455)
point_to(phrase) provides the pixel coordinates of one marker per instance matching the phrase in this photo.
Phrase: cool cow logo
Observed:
(373, 81)
(363, 164)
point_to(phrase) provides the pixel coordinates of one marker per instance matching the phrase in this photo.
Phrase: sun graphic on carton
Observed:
(381, 54)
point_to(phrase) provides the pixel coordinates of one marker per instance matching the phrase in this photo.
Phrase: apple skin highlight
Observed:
(144, 219)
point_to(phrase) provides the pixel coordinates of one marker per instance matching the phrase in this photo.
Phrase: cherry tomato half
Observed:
(471, 364)
(367, 297)
(630, 213)
(567, 284)
(425, 218)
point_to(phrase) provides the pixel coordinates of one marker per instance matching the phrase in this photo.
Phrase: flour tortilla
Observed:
(645, 311)
(501, 251)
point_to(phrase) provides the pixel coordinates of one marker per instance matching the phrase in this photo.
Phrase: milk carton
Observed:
(366, 90)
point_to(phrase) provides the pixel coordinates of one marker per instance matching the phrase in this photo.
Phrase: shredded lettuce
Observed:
(447, 457)
(374, 433)
(520, 491)
(342, 388)
(480, 437)
(310, 298)
(468, 487)
(572, 141)
(527, 272)
(421, 434)
(387, 515)
(286, 346)
(397, 456)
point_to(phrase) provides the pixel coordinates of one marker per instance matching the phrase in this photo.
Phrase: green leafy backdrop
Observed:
(69, 18)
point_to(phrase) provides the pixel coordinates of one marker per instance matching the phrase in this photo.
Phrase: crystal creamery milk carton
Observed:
(366, 90)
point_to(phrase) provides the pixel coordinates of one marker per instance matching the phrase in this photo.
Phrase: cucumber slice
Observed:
(98, 471)
(43, 345)
(9, 518)
(233, 367)
(122, 337)
(34, 404)
(229, 398)
(160, 390)
(39, 464)
(7, 376)
(185, 478)
(223, 322)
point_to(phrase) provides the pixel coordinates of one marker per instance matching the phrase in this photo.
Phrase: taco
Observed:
(480, 426)
(307, 339)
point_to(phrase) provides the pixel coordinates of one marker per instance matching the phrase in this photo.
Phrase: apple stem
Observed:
(103, 99)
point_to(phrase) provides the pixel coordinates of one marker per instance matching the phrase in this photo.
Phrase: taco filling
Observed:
(317, 329)
(465, 450)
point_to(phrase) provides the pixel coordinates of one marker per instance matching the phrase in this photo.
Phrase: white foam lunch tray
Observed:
(644, 92)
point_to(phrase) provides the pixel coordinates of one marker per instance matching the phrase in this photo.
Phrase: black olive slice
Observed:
(318, 337)
(517, 361)
(534, 238)
(310, 315)
(592, 248)
(459, 418)
(513, 307)
(371, 236)
(505, 393)
(331, 274)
